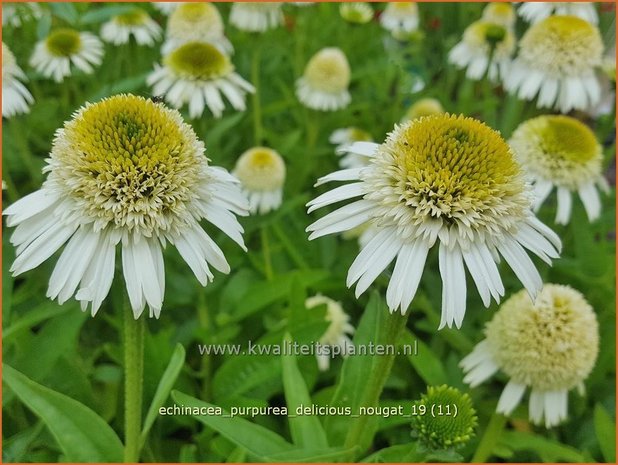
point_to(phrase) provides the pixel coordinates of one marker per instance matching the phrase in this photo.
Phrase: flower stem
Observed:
(268, 266)
(489, 439)
(257, 109)
(133, 379)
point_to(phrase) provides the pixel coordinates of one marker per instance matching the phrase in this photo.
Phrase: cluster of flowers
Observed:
(437, 180)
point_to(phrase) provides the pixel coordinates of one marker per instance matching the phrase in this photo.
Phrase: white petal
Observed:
(510, 397)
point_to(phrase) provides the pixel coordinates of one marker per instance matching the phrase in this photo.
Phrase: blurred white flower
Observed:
(136, 23)
(356, 12)
(165, 7)
(446, 179)
(198, 73)
(423, 107)
(15, 97)
(256, 17)
(533, 12)
(501, 13)
(557, 60)
(342, 138)
(560, 151)
(16, 14)
(324, 84)
(550, 345)
(131, 171)
(54, 55)
(261, 172)
(400, 18)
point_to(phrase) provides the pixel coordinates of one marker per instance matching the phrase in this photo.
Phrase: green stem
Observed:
(268, 266)
(257, 108)
(19, 135)
(490, 438)
(133, 379)
(296, 257)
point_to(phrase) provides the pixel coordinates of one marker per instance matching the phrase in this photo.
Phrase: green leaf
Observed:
(401, 453)
(548, 450)
(257, 440)
(163, 389)
(605, 429)
(82, 435)
(65, 11)
(330, 454)
(307, 431)
(41, 313)
(425, 362)
(99, 15)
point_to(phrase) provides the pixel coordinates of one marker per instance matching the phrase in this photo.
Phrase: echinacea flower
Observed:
(486, 48)
(400, 18)
(261, 172)
(198, 73)
(549, 345)
(256, 17)
(324, 84)
(196, 22)
(338, 331)
(423, 107)
(501, 13)
(356, 12)
(54, 55)
(560, 151)
(128, 171)
(447, 179)
(15, 97)
(533, 12)
(136, 23)
(343, 138)
(557, 60)
(16, 14)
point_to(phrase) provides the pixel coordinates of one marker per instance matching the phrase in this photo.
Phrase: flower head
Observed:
(439, 430)
(15, 97)
(501, 13)
(338, 331)
(324, 84)
(485, 47)
(343, 138)
(561, 151)
(16, 14)
(196, 22)
(256, 17)
(550, 345)
(136, 23)
(423, 107)
(356, 12)
(54, 55)
(557, 60)
(440, 178)
(198, 73)
(534, 12)
(124, 170)
(261, 172)
(400, 18)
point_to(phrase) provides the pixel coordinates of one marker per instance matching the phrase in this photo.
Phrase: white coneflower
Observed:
(261, 172)
(324, 84)
(198, 73)
(485, 46)
(196, 22)
(256, 17)
(534, 12)
(166, 7)
(501, 13)
(16, 14)
(557, 60)
(550, 345)
(560, 151)
(342, 138)
(136, 23)
(447, 179)
(356, 12)
(338, 332)
(54, 55)
(400, 18)
(128, 171)
(15, 97)
(423, 107)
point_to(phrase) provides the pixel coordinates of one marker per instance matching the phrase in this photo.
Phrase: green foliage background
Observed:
(58, 349)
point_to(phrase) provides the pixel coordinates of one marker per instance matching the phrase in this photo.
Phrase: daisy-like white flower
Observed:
(423, 107)
(16, 14)
(557, 60)
(136, 23)
(198, 73)
(485, 46)
(324, 84)
(343, 138)
(446, 179)
(338, 332)
(15, 97)
(560, 151)
(533, 12)
(126, 171)
(501, 13)
(261, 171)
(54, 55)
(356, 12)
(550, 346)
(165, 7)
(256, 17)
(196, 22)
(400, 18)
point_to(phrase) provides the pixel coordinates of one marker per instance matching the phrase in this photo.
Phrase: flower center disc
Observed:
(199, 60)
(198, 13)
(261, 169)
(569, 139)
(64, 42)
(328, 71)
(134, 17)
